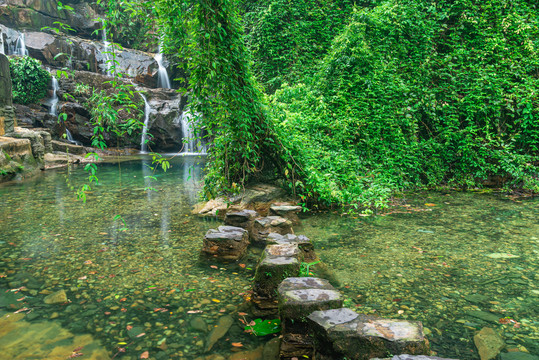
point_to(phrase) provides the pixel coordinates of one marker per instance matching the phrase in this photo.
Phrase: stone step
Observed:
(286, 211)
(345, 333)
(278, 262)
(226, 243)
(243, 219)
(264, 226)
(303, 242)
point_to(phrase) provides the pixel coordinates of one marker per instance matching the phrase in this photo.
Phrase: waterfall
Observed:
(71, 139)
(143, 145)
(20, 46)
(54, 100)
(162, 75)
(107, 48)
(2, 51)
(191, 145)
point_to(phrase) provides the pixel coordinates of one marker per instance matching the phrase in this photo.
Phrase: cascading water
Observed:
(20, 46)
(191, 145)
(54, 99)
(71, 139)
(143, 145)
(162, 76)
(2, 51)
(107, 49)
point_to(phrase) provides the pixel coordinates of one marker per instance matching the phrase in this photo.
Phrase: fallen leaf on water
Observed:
(242, 314)
(145, 355)
(88, 262)
(141, 334)
(215, 300)
(242, 266)
(194, 311)
(128, 327)
(238, 344)
(213, 267)
(83, 277)
(430, 204)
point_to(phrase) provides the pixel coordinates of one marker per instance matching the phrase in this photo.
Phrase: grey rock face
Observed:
(227, 242)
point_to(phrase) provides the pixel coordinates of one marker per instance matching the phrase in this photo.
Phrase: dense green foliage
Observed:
(417, 93)
(287, 37)
(30, 81)
(221, 86)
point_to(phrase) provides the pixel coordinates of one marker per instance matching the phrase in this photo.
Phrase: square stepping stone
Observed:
(243, 219)
(300, 296)
(273, 268)
(344, 333)
(226, 243)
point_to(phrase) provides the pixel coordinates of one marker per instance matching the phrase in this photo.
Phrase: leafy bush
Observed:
(30, 81)
(416, 93)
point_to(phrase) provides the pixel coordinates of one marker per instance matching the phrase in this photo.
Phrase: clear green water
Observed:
(429, 263)
(148, 277)
(432, 263)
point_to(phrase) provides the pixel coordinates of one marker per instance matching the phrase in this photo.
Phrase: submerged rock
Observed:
(222, 327)
(489, 343)
(58, 297)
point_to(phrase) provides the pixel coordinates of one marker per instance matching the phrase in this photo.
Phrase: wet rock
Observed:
(262, 227)
(344, 333)
(256, 354)
(227, 242)
(242, 218)
(222, 327)
(303, 242)
(212, 208)
(300, 296)
(518, 355)
(66, 147)
(488, 343)
(199, 324)
(271, 349)
(273, 269)
(483, 315)
(289, 212)
(58, 297)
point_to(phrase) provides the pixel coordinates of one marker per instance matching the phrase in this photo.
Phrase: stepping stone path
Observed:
(314, 323)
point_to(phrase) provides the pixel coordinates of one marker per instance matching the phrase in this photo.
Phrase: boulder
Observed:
(344, 333)
(226, 243)
(222, 327)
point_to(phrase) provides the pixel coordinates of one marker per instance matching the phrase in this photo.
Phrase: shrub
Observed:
(30, 80)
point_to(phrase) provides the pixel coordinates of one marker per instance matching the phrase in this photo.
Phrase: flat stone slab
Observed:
(298, 283)
(67, 147)
(344, 333)
(303, 242)
(289, 212)
(300, 296)
(286, 250)
(262, 227)
(241, 218)
(227, 242)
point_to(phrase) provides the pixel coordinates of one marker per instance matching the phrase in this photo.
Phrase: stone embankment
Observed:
(315, 325)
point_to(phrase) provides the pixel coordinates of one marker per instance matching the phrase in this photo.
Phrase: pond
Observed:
(456, 261)
(134, 284)
(128, 261)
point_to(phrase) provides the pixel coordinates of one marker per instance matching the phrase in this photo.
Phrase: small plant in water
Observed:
(261, 327)
(305, 269)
